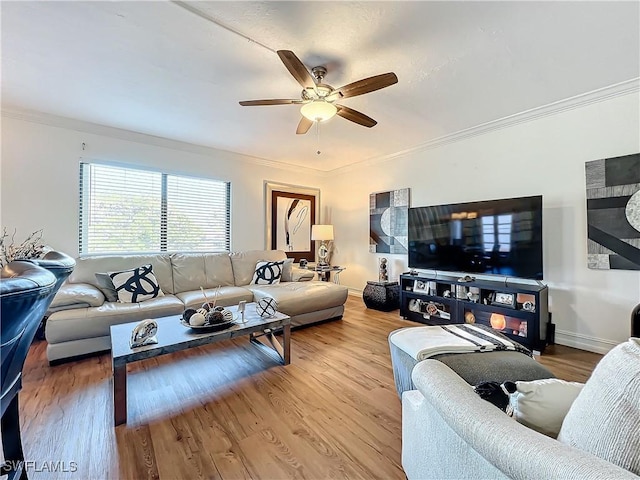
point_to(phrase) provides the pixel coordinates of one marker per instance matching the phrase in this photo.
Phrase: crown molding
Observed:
(146, 139)
(600, 95)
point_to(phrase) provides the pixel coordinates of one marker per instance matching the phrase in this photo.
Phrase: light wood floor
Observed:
(229, 411)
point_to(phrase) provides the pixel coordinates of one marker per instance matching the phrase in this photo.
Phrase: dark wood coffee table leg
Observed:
(286, 340)
(120, 394)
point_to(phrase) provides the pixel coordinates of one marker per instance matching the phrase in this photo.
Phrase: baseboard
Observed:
(584, 342)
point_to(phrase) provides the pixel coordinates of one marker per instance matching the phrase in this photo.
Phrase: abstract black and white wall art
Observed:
(613, 213)
(290, 212)
(388, 214)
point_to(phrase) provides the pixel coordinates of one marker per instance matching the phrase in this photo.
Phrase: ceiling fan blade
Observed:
(304, 126)
(253, 103)
(366, 85)
(355, 116)
(296, 68)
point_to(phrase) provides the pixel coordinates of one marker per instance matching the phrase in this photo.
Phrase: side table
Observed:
(324, 273)
(384, 296)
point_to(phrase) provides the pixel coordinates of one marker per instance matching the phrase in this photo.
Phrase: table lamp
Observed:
(322, 233)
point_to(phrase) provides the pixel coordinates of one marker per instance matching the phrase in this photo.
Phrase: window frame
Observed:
(165, 174)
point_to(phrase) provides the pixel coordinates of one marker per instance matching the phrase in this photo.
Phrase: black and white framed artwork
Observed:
(388, 221)
(291, 210)
(613, 213)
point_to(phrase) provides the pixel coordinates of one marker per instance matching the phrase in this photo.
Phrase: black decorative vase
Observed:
(383, 296)
(635, 321)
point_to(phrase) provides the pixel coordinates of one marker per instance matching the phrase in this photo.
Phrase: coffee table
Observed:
(173, 337)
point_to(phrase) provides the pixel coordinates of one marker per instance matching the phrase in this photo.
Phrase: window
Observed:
(502, 228)
(132, 210)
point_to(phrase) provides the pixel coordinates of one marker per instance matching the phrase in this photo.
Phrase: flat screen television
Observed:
(499, 237)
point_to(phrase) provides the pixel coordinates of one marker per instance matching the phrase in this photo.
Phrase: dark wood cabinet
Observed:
(515, 309)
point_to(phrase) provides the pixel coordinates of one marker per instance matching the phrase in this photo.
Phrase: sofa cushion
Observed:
(87, 267)
(105, 284)
(543, 404)
(194, 270)
(295, 298)
(136, 285)
(244, 263)
(85, 323)
(225, 296)
(77, 294)
(287, 270)
(301, 275)
(267, 273)
(605, 417)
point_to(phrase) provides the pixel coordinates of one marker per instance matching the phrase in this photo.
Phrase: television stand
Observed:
(519, 311)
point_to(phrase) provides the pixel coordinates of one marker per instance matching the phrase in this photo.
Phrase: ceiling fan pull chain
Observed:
(318, 137)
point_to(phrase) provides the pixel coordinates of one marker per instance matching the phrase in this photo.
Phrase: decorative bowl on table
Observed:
(213, 318)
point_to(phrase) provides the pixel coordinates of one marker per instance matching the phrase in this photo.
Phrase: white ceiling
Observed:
(158, 68)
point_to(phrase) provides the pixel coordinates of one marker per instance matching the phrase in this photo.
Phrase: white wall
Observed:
(40, 165)
(546, 156)
(39, 189)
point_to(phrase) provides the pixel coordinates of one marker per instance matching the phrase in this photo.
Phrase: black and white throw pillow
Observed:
(267, 273)
(136, 285)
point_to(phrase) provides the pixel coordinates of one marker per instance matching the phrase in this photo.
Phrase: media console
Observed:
(519, 311)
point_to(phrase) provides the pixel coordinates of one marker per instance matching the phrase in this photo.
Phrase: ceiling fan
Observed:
(318, 99)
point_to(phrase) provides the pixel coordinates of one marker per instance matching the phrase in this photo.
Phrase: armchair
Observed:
(58, 263)
(61, 265)
(26, 290)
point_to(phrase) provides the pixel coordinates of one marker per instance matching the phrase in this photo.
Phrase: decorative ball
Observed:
(207, 306)
(202, 311)
(186, 315)
(197, 319)
(267, 307)
(214, 317)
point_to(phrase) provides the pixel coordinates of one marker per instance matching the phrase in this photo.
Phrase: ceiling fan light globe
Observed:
(318, 110)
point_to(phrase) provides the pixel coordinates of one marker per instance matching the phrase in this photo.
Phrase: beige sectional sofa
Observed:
(80, 317)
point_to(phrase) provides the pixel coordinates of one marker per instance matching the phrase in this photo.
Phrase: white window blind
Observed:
(197, 214)
(131, 210)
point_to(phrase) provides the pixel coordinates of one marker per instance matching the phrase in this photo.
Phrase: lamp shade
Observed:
(321, 232)
(318, 110)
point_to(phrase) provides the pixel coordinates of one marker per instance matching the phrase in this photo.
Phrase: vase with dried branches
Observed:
(31, 247)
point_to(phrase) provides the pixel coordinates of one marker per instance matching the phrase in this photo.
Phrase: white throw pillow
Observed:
(268, 273)
(542, 404)
(605, 418)
(136, 285)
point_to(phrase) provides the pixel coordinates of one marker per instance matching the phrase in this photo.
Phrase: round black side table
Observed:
(384, 296)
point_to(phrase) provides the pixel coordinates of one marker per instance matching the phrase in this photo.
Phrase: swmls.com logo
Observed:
(33, 466)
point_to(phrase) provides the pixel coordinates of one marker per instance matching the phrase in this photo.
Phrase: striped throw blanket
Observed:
(425, 342)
